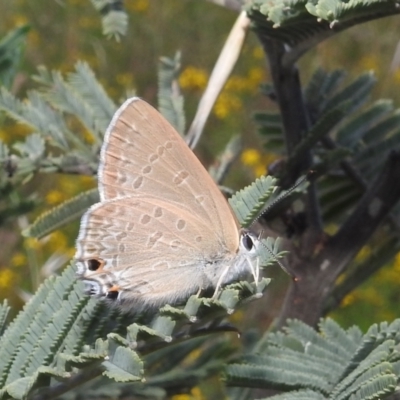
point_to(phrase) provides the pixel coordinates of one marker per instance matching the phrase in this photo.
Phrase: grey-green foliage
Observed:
(360, 133)
(10, 54)
(49, 114)
(66, 212)
(4, 311)
(332, 364)
(302, 24)
(114, 17)
(62, 336)
(67, 117)
(170, 100)
(248, 202)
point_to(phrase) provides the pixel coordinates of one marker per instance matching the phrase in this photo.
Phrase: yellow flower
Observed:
(348, 300)
(193, 78)
(20, 20)
(87, 181)
(260, 170)
(34, 39)
(237, 317)
(364, 253)
(226, 104)
(3, 135)
(259, 164)
(32, 243)
(137, 5)
(70, 252)
(87, 22)
(255, 77)
(258, 53)
(371, 296)
(396, 263)
(124, 79)
(67, 185)
(396, 75)
(18, 260)
(236, 83)
(369, 62)
(54, 197)
(195, 394)
(88, 136)
(181, 397)
(58, 241)
(6, 278)
(250, 157)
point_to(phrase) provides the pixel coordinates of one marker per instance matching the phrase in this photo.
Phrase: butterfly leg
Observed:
(219, 283)
(254, 271)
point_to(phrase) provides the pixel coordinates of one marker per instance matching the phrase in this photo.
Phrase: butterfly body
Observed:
(162, 229)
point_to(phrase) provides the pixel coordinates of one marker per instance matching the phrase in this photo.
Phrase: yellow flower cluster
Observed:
(226, 104)
(256, 161)
(124, 79)
(137, 5)
(369, 62)
(54, 197)
(20, 20)
(230, 100)
(375, 292)
(19, 259)
(193, 78)
(7, 279)
(195, 394)
(87, 22)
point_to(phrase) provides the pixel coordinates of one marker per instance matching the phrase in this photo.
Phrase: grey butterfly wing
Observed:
(143, 154)
(146, 251)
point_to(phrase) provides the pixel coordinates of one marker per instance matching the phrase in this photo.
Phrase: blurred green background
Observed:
(63, 32)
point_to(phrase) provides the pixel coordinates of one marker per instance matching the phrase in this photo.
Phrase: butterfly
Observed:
(162, 230)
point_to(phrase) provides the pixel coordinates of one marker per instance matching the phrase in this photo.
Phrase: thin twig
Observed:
(220, 74)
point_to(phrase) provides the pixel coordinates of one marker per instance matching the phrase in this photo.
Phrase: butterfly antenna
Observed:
(284, 195)
(276, 259)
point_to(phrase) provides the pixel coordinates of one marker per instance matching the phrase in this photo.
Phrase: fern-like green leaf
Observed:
(84, 82)
(170, 100)
(40, 117)
(356, 93)
(33, 147)
(65, 98)
(321, 128)
(376, 388)
(66, 212)
(332, 363)
(299, 395)
(372, 157)
(10, 54)
(4, 310)
(123, 365)
(248, 202)
(350, 133)
(320, 88)
(334, 333)
(114, 17)
(303, 24)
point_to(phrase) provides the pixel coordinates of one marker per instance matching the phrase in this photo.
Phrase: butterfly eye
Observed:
(112, 294)
(94, 264)
(247, 242)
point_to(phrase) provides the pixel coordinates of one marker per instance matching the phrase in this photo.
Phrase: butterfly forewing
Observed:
(143, 154)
